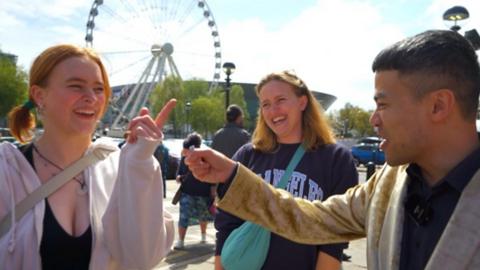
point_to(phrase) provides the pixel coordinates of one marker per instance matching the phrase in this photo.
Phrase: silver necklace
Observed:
(83, 185)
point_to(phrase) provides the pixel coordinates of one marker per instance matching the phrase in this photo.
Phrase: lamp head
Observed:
(228, 68)
(454, 14)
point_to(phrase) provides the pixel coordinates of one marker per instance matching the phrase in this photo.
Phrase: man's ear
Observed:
(442, 103)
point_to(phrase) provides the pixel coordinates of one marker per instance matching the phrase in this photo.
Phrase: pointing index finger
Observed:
(162, 116)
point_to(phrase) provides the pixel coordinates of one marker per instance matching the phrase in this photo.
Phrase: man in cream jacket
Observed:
(420, 211)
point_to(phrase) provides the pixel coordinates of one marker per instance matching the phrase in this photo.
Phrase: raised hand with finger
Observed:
(144, 125)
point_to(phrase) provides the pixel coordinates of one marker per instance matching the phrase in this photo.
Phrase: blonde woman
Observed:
(110, 216)
(289, 116)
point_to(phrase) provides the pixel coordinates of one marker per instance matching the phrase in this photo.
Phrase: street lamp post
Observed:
(459, 13)
(455, 14)
(188, 107)
(228, 68)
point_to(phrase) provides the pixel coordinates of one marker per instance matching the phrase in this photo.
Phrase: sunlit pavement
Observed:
(194, 255)
(197, 256)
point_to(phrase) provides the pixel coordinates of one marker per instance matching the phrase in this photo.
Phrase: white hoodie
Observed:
(130, 228)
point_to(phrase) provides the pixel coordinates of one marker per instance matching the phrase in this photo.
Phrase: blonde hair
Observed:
(21, 119)
(316, 129)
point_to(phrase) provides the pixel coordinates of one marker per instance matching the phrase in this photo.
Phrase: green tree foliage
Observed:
(351, 121)
(13, 86)
(171, 87)
(195, 89)
(362, 123)
(236, 97)
(206, 113)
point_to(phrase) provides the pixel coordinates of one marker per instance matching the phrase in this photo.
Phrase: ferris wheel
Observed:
(144, 41)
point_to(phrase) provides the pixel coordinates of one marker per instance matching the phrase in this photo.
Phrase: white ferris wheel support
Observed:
(147, 82)
(127, 24)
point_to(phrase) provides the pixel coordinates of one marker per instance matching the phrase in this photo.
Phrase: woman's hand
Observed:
(209, 165)
(144, 125)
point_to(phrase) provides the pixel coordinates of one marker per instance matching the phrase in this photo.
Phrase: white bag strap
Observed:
(97, 154)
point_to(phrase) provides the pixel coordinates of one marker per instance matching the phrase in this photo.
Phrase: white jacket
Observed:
(130, 228)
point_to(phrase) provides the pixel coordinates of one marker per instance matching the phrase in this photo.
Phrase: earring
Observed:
(40, 109)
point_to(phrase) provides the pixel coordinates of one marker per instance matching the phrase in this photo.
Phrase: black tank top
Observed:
(58, 249)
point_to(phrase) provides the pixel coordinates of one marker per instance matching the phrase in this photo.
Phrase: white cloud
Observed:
(332, 54)
(41, 9)
(29, 27)
(8, 22)
(9, 18)
(331, 50)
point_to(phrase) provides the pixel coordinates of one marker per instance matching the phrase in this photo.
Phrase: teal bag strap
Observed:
(291, 166)
(247, 246)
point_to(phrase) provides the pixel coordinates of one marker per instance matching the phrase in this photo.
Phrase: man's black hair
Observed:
(233, 112)
(436, 59)
(192, 139)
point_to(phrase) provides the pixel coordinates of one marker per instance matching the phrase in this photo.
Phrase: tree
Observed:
(207, 114)
(237, 96)
(207, 111)
(195, 88)
(362, 123)
(13, 86)
(351, 121)
(171, 87)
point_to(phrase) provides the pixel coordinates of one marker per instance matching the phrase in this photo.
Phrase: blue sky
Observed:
(329, 43)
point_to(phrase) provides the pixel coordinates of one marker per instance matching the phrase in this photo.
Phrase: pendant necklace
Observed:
(83, 185)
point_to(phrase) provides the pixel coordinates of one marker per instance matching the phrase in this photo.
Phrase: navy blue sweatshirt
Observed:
(321, 173)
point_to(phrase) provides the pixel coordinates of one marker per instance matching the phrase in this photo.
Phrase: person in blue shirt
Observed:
(196, 196)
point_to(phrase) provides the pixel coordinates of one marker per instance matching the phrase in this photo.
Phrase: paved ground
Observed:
(198, 256)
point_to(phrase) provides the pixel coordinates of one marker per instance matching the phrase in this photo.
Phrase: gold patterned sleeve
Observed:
(338, 219)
